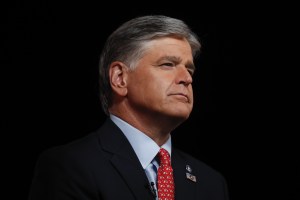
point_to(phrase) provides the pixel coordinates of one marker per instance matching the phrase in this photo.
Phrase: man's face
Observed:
(161, 83)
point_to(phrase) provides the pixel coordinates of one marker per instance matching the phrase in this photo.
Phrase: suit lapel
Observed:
(133, 175)
(125, 160)
(184, 187)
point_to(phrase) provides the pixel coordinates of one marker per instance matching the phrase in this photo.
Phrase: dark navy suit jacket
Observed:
(103, 165)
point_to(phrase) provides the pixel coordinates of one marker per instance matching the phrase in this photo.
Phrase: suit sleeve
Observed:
(58, 179)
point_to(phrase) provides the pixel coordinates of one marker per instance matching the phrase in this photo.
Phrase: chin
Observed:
(183, 115)
(177, 111)
(178, 119)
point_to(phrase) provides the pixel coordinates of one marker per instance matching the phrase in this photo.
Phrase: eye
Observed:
(191, 71)
(169, 64)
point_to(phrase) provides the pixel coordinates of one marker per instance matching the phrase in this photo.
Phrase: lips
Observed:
(181, 95)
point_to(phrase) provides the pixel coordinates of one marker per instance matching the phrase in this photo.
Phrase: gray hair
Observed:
(129, 42)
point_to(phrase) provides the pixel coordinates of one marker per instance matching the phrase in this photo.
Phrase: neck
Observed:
(157, 128)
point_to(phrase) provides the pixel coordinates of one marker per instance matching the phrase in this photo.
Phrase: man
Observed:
(146, 70)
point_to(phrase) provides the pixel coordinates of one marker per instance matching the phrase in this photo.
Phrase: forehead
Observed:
(168, 46)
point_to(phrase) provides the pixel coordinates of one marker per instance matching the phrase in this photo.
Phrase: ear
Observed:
(118, 77)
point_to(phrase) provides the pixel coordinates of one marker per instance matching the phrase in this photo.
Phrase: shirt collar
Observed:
(145, 148)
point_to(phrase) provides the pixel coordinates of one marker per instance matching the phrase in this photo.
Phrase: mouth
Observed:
(181, 96)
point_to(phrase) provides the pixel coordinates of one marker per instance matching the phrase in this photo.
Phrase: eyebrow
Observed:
(176, 60)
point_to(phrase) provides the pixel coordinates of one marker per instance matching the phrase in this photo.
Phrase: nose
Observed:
(184, 76)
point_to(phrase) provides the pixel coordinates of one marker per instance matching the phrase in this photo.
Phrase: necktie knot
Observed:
(164, 157)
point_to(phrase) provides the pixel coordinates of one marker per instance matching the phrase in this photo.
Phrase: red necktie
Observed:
(165, 181)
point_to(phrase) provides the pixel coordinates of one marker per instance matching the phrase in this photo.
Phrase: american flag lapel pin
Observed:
(189, 175)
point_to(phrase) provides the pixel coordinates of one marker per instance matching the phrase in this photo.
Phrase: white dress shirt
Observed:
(145, 148)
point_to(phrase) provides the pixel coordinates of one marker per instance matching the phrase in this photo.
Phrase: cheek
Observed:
(152, 82)
(191, 92)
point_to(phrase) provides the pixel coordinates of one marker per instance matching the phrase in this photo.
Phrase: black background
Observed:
(241, 122)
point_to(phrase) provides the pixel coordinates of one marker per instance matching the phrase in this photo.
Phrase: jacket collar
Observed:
(124, 159)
